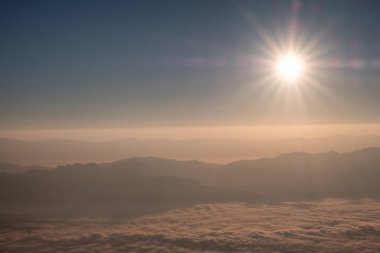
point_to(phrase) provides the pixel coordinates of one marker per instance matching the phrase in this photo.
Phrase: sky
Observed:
(151, 64)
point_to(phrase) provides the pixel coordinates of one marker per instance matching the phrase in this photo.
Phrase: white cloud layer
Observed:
(328, 226)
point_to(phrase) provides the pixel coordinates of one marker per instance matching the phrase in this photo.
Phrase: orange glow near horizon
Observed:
(256, 132)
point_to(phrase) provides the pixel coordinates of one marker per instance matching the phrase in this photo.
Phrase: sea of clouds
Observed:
(327, 226)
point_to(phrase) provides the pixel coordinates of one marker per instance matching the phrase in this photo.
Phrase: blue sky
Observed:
(68, 64)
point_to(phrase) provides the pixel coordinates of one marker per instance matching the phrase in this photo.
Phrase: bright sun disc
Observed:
(290, 67)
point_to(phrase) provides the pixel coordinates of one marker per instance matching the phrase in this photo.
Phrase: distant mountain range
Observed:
(58, 152)
(300, 175)
(290, 176)
(13, 168)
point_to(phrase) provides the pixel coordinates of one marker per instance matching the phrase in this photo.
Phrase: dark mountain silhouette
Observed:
(301, 175)
(132, 180)
(152, 166)
(285, 177)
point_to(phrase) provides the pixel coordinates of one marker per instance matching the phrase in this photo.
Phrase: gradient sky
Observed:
(102, 64)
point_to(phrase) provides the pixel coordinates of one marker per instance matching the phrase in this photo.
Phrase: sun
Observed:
(290, 67)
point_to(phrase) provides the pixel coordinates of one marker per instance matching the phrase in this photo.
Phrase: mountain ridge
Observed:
(285, 177)
(60, 151)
